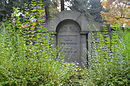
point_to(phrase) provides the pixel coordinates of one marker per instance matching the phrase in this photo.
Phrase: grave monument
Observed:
(71, 31)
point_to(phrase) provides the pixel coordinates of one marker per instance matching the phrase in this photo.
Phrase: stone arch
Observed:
(75, 16)
(68, 39)
(67, 20)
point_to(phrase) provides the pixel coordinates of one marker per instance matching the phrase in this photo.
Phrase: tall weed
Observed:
(28, 58)
(110, 69)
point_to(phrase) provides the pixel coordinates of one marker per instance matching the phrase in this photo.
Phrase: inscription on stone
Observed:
(69, 37)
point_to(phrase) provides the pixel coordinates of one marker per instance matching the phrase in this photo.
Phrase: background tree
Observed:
(62, 5)
(47, 13)
(6, 7)
(117, 11)
(91, 8)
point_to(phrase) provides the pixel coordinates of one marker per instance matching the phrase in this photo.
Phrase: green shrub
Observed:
(110, 69)
(27, 54)
(32, 64)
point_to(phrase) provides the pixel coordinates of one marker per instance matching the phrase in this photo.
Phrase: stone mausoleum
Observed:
(71, 32)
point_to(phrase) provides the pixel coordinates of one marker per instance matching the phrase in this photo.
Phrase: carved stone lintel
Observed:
(84, 32)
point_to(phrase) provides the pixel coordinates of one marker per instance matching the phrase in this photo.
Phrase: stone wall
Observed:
(72, 32)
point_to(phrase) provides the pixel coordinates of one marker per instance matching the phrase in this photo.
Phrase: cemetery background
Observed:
(24, 62)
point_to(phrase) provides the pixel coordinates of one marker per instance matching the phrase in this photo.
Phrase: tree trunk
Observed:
(62, 5)
(47, 14)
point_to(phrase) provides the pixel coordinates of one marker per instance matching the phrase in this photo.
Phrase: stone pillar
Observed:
(89, 47)
(84, 48)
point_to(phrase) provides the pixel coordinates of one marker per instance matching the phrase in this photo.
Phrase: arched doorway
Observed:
(68, 40)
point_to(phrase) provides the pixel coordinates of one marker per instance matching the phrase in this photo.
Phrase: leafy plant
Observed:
(28, 57)
(110, 68)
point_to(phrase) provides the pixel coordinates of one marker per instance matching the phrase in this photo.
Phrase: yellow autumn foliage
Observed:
(118, 11)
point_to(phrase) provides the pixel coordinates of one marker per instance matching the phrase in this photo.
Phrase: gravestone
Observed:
(68, 36)
(71, 32)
